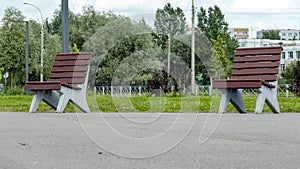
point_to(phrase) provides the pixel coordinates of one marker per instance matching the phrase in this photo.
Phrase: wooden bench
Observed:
(67, 82)
(253, 68)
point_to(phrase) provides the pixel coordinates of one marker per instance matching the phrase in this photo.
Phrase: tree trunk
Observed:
(12, 80)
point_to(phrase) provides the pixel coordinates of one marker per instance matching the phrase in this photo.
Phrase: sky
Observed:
(252, 14)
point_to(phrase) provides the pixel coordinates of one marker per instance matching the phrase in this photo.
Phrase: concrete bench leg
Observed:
(49, 97)
(36, 100)
(77, 97)
(82, 104)
(235, 97)
(268, 95)
(63, 101)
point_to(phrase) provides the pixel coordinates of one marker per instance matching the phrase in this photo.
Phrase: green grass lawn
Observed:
(147, 104)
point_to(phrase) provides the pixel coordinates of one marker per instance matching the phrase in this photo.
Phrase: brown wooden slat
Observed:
(255, 65)
(256, 58)
(69, 69)
(63, 57)
(70, 80)
(261, 77)
(71, 86)
(244, 72)
(34, 86)
(258, 51)
(237, 84)
(71, 63)
(268, 84)
(67, 75)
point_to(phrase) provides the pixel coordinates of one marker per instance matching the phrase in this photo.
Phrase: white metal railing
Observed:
(204, 90)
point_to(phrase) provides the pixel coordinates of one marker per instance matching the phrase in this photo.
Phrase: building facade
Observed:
(239, 33)
(284, 34)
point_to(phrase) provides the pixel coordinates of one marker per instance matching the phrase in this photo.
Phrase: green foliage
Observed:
(15, 91)
(12, 45)
(220, 62)
(288, 72)
(115, 42)
(271, 34)
(169, 19)
(212, 23)
(296, 83)
(75, 48)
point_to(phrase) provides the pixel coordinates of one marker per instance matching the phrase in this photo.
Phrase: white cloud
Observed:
(136, 6)
(260, 4)
(77, 5)
(258, 26)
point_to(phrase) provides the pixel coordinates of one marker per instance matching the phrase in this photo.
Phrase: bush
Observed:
(15, 91)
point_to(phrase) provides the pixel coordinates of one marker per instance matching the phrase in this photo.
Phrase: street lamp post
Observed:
(42, 39)
(65, 26)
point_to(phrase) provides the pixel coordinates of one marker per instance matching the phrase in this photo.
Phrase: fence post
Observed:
(102, 90)
(95, 89)
(112, 90)
(197, 89)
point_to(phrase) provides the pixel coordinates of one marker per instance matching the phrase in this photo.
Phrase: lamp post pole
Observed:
(42, 39)
(65, 26)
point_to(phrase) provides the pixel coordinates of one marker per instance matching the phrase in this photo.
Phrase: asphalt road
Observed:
(150, 140)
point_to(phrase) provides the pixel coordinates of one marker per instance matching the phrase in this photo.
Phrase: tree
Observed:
(113, 43)
(220, 62)
(212, 23)
(291, 75)
(296, 87)
(81, 27)
(167, 19)
(12, 45)
(271, 34)
(288, 72)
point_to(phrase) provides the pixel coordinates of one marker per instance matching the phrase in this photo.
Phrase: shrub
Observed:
(15, 91)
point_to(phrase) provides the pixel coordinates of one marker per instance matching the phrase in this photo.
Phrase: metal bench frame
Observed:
(67, 82)
(253, 68)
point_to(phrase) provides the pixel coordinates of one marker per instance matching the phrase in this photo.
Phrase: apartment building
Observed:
(284, 34)
(239, 33)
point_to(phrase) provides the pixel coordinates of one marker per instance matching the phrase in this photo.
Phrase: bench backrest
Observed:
(256, 63)
(71, 68)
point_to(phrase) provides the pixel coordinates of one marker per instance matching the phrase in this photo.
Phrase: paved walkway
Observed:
(154, 141)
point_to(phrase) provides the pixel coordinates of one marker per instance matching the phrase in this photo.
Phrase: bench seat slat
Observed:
(240, 84)
(71, 63)
(256, 59)
(48, 85)
(70, 80)
(254, 72)
(69, 69)
(67, 75)
(262, 77)
(237, 84)
(258, 51)
(64, 57)
(255, 65)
